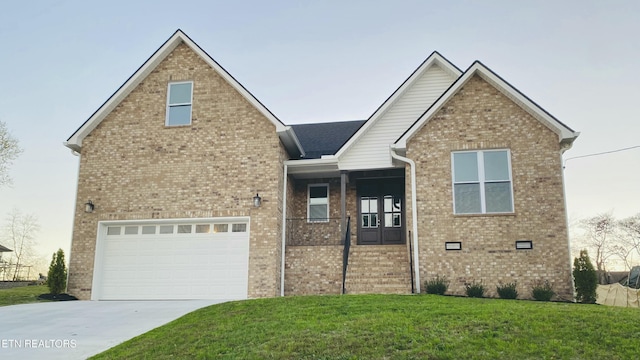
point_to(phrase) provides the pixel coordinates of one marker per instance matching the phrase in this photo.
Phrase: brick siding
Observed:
(133, 167)
(480, 117)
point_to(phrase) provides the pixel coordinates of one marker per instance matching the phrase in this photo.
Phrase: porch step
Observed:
(378, 269)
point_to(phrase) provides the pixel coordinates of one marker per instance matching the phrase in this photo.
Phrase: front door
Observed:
(381, 211)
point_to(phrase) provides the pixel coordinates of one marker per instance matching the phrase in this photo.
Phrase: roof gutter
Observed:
(414, 214)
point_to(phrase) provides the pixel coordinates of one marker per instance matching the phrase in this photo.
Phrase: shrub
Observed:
(507, 291)
(585, 279)
(437, 286)
(57, 276)
(475, 290)
(542, 291)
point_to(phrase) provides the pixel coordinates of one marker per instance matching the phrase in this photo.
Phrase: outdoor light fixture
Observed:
(257, 200)
(88, 207)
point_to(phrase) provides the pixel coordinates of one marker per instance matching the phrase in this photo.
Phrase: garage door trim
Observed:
(101, 239)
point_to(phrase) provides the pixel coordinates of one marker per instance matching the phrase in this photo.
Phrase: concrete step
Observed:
(380, 269)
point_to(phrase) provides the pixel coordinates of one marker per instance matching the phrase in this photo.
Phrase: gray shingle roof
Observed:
(325, 138)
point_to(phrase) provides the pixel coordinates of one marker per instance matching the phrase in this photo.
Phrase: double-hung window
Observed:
(318, 203)
(482, 182)
(179, 99)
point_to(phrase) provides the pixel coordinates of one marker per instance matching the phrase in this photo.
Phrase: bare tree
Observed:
(629, 233)
(9, 151)
(19, 232)
(600, 237)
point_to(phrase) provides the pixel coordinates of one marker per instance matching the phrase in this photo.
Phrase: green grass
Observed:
(391, 327)
(22, 295)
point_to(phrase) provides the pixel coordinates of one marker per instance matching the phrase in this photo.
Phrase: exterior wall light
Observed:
(88, 207)
(257, 200)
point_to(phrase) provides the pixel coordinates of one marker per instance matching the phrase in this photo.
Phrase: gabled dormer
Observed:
(369, 147)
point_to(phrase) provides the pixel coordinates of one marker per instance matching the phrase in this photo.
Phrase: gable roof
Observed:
(75, 140)
(565, 134)
(5, 249)
(325, 138)
(434, 59)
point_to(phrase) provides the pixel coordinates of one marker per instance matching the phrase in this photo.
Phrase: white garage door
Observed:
(202, 259)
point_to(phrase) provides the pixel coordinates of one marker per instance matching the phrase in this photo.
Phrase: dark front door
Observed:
(381, 211)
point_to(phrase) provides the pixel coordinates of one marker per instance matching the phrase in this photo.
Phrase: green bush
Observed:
(507, 291)
(585, 279)
(542, 291)
(474, 289)
(57, 276)
(438, 286)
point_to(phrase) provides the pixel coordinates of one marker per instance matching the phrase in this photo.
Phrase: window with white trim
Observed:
(482, 182)
(179, 99)
(318, 203)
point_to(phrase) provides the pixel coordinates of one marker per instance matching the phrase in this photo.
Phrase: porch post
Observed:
(343, 201)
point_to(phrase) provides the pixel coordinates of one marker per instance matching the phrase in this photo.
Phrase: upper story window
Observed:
(318, 203)
(179, 100)
(482, 182)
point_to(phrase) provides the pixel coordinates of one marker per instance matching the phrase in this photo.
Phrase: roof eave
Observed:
(565, 134)
(291, 142)
(75, 140)
(313, 167)
(434, 59)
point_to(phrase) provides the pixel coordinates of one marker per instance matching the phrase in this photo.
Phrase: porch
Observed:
(320, 259)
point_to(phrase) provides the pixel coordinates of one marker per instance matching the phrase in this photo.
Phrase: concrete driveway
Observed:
(79, 329)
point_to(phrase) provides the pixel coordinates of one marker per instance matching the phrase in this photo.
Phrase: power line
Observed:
(601, 153)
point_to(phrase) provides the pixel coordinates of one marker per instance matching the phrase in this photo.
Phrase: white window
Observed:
(131, 230)
(179, 98)
(149, 229)
(220, 228)
(203, 228)
(482, 182)
(318, 203)
(113, 230)
(238, 227)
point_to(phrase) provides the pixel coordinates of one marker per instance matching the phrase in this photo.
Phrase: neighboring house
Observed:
(456, 174)
(3, 250)
(3, 264)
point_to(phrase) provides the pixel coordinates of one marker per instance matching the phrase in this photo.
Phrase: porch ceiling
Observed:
(313, 168)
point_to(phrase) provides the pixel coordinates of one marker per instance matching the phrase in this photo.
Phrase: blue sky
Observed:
(317, 61)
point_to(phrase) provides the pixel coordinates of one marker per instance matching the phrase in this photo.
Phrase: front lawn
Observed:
(22, 295)
(391, 327)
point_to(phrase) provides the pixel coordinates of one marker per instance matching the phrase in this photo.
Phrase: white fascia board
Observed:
(75, 141)
(535, 110)
(434, 59)
(235, 84)
(291, 142)
(310, 166)
(565, 134)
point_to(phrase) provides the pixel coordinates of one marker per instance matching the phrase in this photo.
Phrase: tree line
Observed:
(613, 243)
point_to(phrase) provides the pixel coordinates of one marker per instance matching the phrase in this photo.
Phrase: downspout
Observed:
(284, 229)
(564, 147)
(73, 221)
(414, 214)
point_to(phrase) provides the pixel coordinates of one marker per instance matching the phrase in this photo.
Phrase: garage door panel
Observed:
(173, 266)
